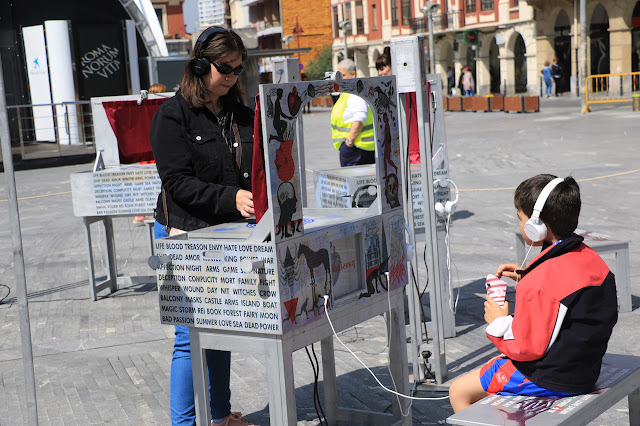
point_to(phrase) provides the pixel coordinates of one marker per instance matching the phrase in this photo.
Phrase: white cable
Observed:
(388, 325)
(326, 312)
(522, 265)
(453, 306)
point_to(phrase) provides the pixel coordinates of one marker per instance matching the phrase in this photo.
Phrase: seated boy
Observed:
(565, 308)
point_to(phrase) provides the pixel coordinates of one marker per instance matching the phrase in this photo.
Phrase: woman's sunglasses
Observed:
(226, 69)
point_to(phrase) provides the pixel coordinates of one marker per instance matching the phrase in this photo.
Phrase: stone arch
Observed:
(374, 53)
(599, 37)
(562, 50)
(518, 50)
(446, 59)
(494, 66)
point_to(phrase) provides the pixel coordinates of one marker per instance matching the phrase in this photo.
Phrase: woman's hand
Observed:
(508, 270)
(492, 310)
(244, 202)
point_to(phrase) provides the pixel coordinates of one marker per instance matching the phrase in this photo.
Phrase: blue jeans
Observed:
(549, 85)
(182, 403)
(468, 92)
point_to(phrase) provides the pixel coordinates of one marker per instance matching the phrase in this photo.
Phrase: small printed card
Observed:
(496, 289)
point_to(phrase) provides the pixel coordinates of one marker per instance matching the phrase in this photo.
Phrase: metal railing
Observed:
(610, 88)
(441, 22)
(51, 130)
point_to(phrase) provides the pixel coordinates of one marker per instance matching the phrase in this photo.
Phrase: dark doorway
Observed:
(562, 48)
(494, 66)
(599, 32)
(635, 46)
(520, 65)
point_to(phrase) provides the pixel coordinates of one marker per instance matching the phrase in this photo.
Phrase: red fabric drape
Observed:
(258, 177)
(131, 123)
(414, 141)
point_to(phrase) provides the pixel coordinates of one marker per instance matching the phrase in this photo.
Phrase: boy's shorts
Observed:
(500, 376)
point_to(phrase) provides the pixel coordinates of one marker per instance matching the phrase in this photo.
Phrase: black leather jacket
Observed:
(196, 161)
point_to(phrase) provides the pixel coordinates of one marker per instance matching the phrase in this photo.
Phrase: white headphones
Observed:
(448, 207)
(535, 229)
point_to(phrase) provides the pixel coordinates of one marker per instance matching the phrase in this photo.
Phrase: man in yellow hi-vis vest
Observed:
(352, 124)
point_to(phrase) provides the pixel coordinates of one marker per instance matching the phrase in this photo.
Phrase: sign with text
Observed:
(100, 58)
(116, 191)
(211, 284)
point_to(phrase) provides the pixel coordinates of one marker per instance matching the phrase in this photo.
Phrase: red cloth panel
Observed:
(414, 140)
(258, 177)
(131, 123)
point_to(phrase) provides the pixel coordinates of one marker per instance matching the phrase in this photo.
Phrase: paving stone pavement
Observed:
(108, 361)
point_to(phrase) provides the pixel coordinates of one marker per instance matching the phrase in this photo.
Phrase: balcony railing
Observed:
(51, 130)
(441, 22)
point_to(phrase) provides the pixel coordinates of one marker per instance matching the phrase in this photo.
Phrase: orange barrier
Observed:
(609, 88)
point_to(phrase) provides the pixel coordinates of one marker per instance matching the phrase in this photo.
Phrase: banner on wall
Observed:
(39, 88)
(62, 86)
(101, 61)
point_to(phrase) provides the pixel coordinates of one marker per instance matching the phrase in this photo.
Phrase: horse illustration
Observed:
(315, 259)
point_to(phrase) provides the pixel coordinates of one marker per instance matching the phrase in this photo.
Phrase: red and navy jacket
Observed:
(565, 311)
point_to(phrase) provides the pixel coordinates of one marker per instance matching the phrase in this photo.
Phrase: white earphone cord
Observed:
(326, 312)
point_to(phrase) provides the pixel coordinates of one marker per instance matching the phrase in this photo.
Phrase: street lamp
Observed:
(286, 40)
(429, 9)
(345, 26)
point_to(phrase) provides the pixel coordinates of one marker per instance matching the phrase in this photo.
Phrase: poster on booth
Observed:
(348, 264)
(116, 191)
(281, 104)
(218, 285)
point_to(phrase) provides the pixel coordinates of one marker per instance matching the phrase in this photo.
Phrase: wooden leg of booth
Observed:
(200, 379)
(398, 361)
(111, 254)
(329, 379)
(282, 397)
(634, 407)
(92, 272)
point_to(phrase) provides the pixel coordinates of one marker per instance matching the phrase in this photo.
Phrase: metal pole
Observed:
(16, 237)
(346, 52)
(575, 47)
(432, 53)
(583, 55)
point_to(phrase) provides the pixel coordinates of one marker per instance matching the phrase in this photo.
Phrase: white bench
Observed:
(619, 377)
(602, 244)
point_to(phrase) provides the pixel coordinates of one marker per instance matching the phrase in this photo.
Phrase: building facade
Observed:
(505, 42)
(309, 25)
(284, 25)
(171, 18)
(210, 12)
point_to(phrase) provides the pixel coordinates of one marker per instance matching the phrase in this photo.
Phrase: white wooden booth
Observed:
(112, 190)
(261, 288)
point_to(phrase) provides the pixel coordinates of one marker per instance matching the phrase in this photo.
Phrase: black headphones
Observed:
(202, 65)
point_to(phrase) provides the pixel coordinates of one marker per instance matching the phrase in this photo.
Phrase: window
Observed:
(471, 6)
(335, 22)
(161, 13)
(359, 17)
(486, 5)
(374, 16)
(406, 12)
(514, 3)
(394, 13)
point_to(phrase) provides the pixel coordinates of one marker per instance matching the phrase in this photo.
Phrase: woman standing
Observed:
(546, 76)
(202, 142)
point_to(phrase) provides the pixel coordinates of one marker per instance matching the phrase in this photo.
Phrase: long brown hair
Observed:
(384, 60)
(192, 86)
